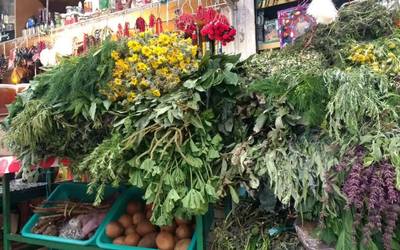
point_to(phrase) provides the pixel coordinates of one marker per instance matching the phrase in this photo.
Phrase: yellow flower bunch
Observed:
(151, 64)
(380, 57)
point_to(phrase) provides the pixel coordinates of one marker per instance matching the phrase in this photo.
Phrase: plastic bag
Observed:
(73, 229)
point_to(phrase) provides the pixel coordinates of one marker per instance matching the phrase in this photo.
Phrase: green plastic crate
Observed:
(118, 209)
(64, 192)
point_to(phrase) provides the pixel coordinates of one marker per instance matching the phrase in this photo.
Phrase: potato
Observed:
(130, 230)
(145, 227)
(149, 241)
(119, 241)
(171, 228)
(114, 230)
(149, 207)
(165, 241)
(125, 221)
(181, 221)
(132, 239)
(149, 213)
(138, 217)
(183, 231)
(183, 244)
(134, 207)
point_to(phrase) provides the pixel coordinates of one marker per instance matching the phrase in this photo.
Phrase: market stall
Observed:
(164, 126)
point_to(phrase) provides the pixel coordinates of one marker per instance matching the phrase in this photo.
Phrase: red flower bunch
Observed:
(186, 23)
(219, 30)
(204, 16)
(211, 24)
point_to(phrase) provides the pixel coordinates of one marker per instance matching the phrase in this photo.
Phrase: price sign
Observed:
(7, 35)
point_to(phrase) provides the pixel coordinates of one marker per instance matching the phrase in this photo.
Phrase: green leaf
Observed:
(147, 165)
(216, 140)
(170, 117)
(260, 121)
(213, 154)
(193, 201)
(92, 110)
(234, 195)
(368, 160)
(194, 161)
(195, 120)
(107, 104)
(345, 241)
(173, 195)
(210, 190)
(193, 147)
(231, 78)
(136, 178)
(190, 84)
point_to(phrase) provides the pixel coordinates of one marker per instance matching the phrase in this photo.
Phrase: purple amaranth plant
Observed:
(372, 193)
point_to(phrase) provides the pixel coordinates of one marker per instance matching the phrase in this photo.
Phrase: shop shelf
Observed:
(68, 191)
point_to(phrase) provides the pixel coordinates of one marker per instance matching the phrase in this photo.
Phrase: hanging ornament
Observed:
(324, 11)
(152, 21)
(85, 42)
(126, 30)
(159, 27)
(141, 24)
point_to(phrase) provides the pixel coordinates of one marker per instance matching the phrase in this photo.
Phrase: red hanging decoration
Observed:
(159, 27)
(126, 30)
(120, 31)
(152, 21)
(85, 43)
(141, 24)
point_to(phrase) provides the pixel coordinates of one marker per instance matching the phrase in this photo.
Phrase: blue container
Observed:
(63, 192)
(118, 209)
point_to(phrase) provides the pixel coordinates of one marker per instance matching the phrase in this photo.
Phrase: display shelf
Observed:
(48, 244)
(269, 46)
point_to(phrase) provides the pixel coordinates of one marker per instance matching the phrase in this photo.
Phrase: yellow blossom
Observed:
(134, 46)
(144, 83)
(122, 65)
(164, 39)
(146, 51)
(134, 81)
(114, 55)
(155, 64)
(182, 65)
(194, 51)
(117, 81)
(156, 92)
(180, 56)
(142, 67)
(134, 58)
(131, 96)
